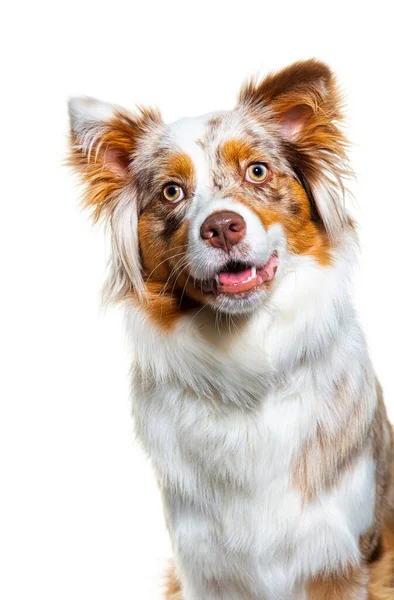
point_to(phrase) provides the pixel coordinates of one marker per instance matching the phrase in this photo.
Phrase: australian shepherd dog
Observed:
(253, 392)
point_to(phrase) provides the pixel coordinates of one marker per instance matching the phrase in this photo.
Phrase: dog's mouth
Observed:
(241, 278)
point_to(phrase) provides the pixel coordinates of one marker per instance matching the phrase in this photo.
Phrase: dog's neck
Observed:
(236, 359)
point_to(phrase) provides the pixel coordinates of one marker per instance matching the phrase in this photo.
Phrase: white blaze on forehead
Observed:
(186, 133)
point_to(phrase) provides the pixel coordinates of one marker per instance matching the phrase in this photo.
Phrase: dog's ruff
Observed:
(259, 408)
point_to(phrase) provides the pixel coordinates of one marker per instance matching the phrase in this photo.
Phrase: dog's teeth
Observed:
(253, 272)
(217, 278)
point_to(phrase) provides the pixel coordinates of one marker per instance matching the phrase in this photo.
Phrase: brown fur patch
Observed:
(162, 257)
(173, 591)
(325, 456)
(165, 306)
(381, 586)
(235, 152)
(166, 272)
(180, 165)
(348, 585)
(298, 77)
(293, 212)
(382, 444)
(162, 235)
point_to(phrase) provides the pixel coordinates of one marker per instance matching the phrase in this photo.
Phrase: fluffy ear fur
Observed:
(303, 102)
(103, 143)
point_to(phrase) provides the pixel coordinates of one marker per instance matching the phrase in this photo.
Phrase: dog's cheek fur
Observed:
(163, 248)
(292, 211)
(287, 205)
(155, 251)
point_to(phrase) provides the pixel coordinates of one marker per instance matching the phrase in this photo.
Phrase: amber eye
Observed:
(257, 173)
(173, 193)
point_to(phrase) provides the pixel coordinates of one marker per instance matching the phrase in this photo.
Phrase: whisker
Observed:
(187, 281)
(176, 267)
(182, 268)
(162, 262)
(197, 313)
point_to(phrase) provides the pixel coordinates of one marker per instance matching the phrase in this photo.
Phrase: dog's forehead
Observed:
(199, 137)
(210, 129)
(191, 136)
(189, 131)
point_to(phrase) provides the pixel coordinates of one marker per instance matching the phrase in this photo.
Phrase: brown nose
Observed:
(223, 229)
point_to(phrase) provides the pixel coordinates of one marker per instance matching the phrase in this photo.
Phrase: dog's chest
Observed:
(233, 510)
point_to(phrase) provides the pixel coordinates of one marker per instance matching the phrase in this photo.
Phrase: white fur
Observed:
(85, 110)
(124, 268)
(87, 117)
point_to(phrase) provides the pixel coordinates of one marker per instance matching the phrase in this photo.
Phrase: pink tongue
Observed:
(234, 278)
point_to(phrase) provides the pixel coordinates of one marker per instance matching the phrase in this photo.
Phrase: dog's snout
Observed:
(223, 230)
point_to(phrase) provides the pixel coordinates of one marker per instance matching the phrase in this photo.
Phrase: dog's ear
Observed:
(104, 143)
(303, 103)
(102, 146)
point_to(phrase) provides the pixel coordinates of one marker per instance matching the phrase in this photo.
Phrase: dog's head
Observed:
(209, 210)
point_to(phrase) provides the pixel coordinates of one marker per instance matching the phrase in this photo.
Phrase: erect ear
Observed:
(103, 141)
(303, 103)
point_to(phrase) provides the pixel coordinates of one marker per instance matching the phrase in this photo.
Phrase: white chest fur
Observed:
(238, 525)
(223, 418)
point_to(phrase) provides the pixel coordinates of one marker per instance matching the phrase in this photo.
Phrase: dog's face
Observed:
(219, 203)
(212, 210)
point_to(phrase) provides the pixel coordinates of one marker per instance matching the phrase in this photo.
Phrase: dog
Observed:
(253, 392)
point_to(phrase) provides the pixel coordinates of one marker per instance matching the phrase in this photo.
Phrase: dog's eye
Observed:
(257, 173)
(173, 193)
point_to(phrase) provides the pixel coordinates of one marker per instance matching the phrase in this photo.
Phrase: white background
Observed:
(80, 516)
